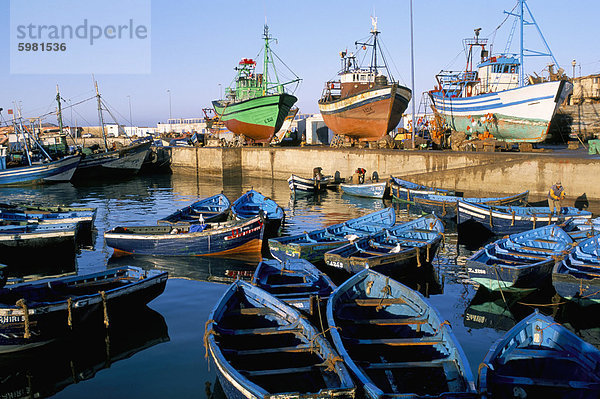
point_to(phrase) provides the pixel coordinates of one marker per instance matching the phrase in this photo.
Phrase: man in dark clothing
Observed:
(555, 197)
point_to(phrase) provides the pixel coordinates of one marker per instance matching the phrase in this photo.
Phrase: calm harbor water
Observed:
(158, 351)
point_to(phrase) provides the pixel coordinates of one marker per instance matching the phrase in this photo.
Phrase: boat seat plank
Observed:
(430, 340)
(246, 352)
(402, 365)
(298, 285)
(507, 379)
(546, 240)
(405, 321)
(372, 253)
(525, 354)
(377, 301)
(296, 294)
(259, 331)
(538, 249)
(252, 311)
(291, 370)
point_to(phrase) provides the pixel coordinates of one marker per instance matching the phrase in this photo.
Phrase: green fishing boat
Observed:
(257, 104)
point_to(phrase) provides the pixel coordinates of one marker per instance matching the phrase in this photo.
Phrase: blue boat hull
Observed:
(446, 207)
(303, 246)
(52, 172)
(539, 358)
(498, 277)
(211, 209)
(511, 220)
(295, 281)
(251, 203)
(375, 322)
(227, 239)
(49, 300)
(374, 190)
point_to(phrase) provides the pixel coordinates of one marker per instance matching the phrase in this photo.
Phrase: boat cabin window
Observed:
(363, 77)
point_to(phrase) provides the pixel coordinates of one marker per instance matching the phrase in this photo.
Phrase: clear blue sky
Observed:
(196, 45)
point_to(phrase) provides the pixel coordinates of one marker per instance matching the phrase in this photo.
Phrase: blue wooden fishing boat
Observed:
(446, 206)
(295, 281)
(522, 260)
(215, 239)
(392, 250)
(251, 203)
(33, 314)
(50, 369)
(51, 172)
(577, 282)
(368, 190)
(577, 276)
(539, 358)
(394, 342)
(263, 348)
(313, 245)
(404, 190)
(30, 240)
(514, 219)
(303, 184)
(21, 213)
(211, 209)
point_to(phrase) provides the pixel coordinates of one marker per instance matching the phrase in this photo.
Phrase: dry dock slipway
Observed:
(472, 172)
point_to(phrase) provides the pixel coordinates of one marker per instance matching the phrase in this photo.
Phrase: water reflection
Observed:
(43, 372)
(145, 199)
(200, 268)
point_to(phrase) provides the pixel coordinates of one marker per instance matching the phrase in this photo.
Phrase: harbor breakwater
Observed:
(471, 172)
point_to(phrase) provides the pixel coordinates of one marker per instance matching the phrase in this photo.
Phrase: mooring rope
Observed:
(331, 361)
(386, 290)
(21, 303)
(207, 333)
(105, 307)
(69, 312)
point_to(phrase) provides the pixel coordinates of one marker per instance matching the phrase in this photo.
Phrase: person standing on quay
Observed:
(555, 197)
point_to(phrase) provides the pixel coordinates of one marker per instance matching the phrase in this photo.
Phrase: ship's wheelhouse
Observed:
(497, 74)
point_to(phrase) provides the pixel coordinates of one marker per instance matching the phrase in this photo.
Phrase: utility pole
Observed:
(170, 113)
(130, 119)
(412, 75)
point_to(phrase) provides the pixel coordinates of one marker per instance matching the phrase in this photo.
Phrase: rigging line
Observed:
(384, 62)
(66, 107)
(393, 63)
(82, 117)
(107, 105)
(284, 64)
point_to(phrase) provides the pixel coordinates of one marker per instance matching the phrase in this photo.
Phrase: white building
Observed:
(130, 131)
(315, 130)
(187, 125)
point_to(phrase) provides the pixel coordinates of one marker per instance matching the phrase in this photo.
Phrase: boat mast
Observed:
(521, 69)
(522, 4)
(22, 133)
(59, 113)
(100, 116)
(412, 74)
(265, 60)
(374, 32)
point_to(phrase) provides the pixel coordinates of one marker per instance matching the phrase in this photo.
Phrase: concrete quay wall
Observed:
(471, 172)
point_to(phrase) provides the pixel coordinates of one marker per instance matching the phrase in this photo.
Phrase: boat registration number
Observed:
(333, 263)
(475, 318)
(476, 271)
(10, 319)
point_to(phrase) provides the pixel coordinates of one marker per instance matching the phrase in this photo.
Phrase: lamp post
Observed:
(412, 75)
(170, 114)
(130, 119)
(220, 92)
(573, 63)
